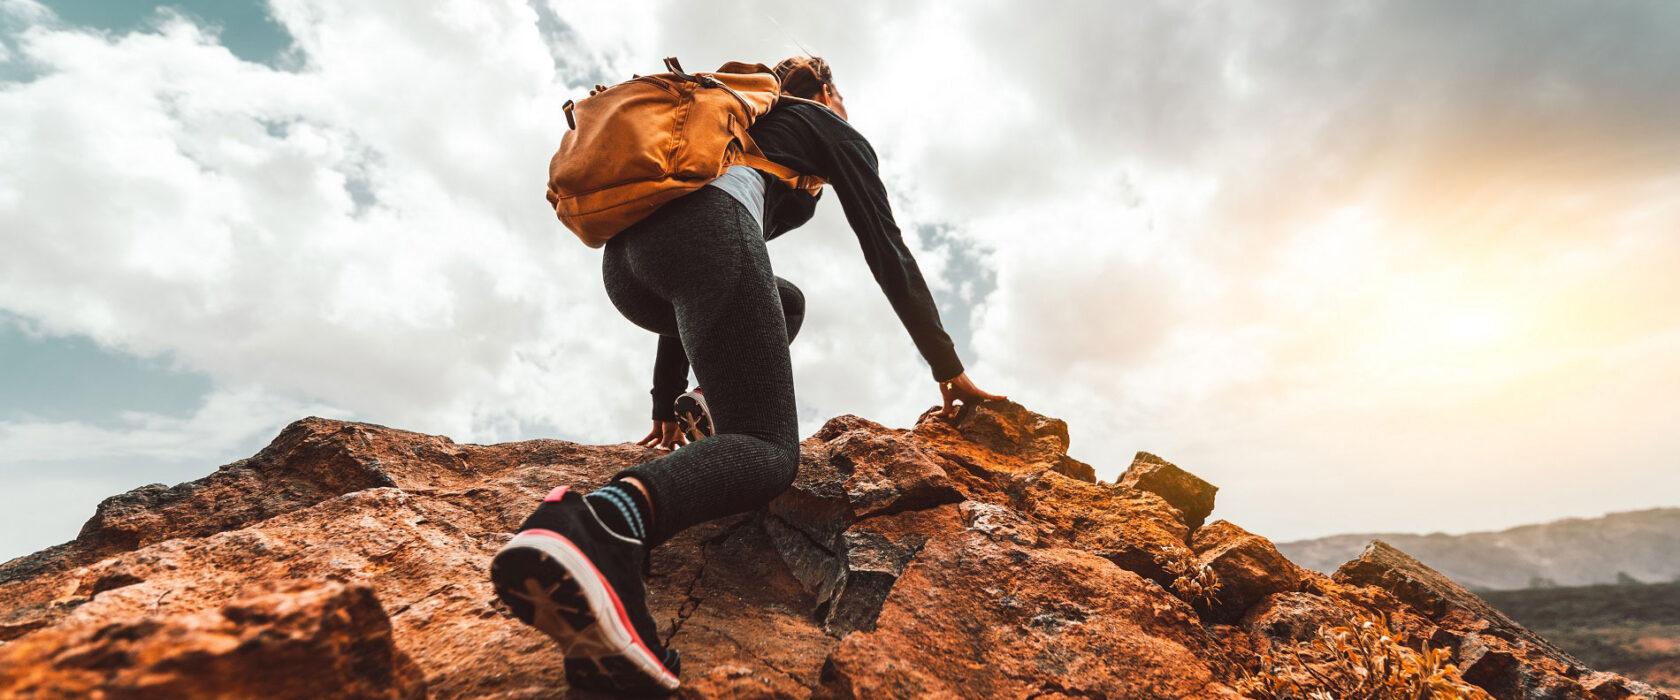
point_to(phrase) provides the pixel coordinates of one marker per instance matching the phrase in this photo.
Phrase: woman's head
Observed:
(812, 79)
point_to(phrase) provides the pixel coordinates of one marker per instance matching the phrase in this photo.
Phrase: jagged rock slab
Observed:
(1136, 530)
(981, 616)
(302, 641)
(1248, 567)
(743, 622)
(997, 440)
(1187, 492)
(850, 471)
(1435, 596)
(1491, 650)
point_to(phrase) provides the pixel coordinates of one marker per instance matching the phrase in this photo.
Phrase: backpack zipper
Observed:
(652, 81)
(709, 81)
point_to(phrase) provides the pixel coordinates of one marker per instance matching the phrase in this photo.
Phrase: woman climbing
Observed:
(697, 272)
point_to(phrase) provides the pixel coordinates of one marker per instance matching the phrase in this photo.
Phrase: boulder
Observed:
(1014, 621)
(304, 640)
(1248, 567)
(1187, 492)
(1437, 597)
(1136, 530)
(999, 440)
(1490, 650)
(850, 471)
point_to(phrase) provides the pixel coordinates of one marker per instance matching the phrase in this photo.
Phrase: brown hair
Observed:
(804, 76)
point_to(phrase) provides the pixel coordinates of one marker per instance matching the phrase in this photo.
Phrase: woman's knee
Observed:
(793, 306)
(789, 463)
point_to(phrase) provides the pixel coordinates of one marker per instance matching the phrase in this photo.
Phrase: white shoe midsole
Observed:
(616, 635)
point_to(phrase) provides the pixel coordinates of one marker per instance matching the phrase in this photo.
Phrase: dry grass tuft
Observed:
(1363, 660)
(1196, 584)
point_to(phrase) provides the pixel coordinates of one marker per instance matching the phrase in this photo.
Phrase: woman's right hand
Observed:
(961, 388)
(665, 434)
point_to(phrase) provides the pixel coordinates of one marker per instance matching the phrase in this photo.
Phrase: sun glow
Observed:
(1473, 326)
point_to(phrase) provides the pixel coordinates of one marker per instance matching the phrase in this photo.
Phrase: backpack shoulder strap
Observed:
(752, 156)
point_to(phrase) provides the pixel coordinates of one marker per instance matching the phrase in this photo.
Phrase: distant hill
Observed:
(1633, 630)
(1642, 546)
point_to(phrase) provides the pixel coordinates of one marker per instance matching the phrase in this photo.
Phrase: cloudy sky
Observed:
(1365, 265)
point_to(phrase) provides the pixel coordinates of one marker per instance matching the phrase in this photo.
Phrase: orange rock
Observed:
(1491, 650)
(976, 617)
(302, 641)
(1187, 492)
(1134, 529)
(1248, 567)
(969, 557)
(1000, 439)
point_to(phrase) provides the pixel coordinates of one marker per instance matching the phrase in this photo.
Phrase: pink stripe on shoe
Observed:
(558, 493)
(618, 605)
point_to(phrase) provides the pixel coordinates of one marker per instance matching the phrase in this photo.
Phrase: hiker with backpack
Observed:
(682, 179)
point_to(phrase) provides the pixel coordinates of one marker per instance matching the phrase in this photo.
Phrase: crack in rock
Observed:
(691, 599)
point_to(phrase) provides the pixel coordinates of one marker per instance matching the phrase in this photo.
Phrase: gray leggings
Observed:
(697, 268)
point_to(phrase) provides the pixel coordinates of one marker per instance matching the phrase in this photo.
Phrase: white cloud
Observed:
(57, 472)
(1239, 237)
(174, 199)
(227, 418)
(26, 11)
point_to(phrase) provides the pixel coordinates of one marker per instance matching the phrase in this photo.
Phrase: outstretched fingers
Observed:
(665, 434)
(674, 436)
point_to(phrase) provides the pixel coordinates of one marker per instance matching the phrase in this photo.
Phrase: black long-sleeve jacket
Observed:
(814, 140)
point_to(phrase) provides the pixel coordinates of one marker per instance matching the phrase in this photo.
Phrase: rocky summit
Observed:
(961, 558)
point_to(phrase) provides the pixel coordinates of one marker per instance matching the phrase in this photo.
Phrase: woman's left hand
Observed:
(961, 388)
(665, 434)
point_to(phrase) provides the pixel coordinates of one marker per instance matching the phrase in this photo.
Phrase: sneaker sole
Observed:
(549, 584)
(693, 418)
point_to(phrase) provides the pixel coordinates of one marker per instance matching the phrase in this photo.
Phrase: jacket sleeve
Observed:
(855, 174)
(788, 208)
(670, 377)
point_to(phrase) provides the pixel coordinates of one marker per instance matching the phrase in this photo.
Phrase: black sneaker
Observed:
(693, 417)
(566, 574)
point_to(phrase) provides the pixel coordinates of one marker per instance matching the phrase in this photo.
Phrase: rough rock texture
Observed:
(1135, 529)
(969, 557)
(1018, 621)
(1248, 566)
(1185, 491)
(307, 640)
(1491, 650)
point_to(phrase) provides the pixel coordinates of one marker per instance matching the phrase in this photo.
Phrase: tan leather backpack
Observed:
(641, 143)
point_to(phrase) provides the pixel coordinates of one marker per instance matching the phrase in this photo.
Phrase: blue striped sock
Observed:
(618, 510)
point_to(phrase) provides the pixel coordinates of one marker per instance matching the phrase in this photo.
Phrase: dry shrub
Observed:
(1196, 584)
(1362, 660)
